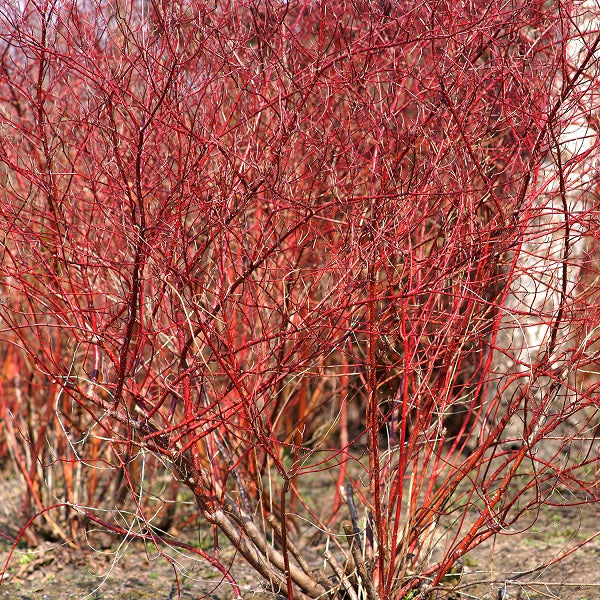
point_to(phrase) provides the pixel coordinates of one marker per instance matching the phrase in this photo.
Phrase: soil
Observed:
(507, 567)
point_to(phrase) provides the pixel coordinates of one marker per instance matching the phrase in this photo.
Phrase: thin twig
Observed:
(359, 562)
(339, 572)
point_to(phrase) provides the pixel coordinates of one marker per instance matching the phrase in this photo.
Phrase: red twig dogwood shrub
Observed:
(257, 241)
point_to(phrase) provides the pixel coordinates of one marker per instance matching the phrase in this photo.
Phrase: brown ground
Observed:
(130, 571)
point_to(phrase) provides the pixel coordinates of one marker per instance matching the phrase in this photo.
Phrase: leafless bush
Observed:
(246, 241)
